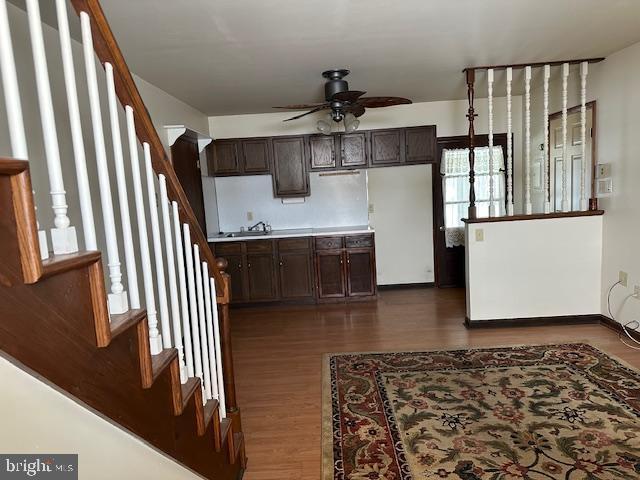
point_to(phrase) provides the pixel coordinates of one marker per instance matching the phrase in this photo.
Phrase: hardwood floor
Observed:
(278, 354)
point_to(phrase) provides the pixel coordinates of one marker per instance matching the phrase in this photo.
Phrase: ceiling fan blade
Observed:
(376, 102)
(303, 106)
(317, 109)
(356, 109)
(349, 96)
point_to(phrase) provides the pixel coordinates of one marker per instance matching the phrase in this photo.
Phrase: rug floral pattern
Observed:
(537, 412)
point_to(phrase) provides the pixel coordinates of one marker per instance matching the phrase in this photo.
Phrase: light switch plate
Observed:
(623, 278)
(479, 235)
(603, 170)
(250, 216)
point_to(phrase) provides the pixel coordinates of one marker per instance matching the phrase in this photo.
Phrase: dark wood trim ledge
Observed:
(535, 216)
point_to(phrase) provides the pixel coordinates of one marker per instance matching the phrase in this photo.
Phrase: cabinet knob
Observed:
(281, 263)
(248, 265)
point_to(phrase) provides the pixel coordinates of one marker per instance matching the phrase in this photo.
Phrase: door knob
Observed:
(442, 229)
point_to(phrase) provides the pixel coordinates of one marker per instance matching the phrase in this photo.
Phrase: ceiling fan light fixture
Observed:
(351, 123)
(324, 126)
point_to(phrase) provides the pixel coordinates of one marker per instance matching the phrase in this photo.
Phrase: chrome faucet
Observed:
(255, 228)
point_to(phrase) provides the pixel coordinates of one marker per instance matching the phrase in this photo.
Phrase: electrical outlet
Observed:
(636, 292)
(250, 216)
(479, 235)
(371, 209)
(623, 277)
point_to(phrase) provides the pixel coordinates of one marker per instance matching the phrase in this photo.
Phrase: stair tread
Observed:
(188, 389)
(122, 322)
(210, 408)
(56, 264)
(162, 360)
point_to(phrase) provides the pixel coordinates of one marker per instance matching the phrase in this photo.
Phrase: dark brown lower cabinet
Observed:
(360, 272)
(261, 277)
(330, 272)
(236, 269)
(296, 275)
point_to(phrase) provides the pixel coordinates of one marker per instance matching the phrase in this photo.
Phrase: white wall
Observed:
(615, 86)
(335, 201)
(414, 200)
(400, 198)
(39, 419)
(534, 268)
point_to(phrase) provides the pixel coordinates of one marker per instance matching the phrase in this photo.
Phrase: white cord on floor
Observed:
(635, 323)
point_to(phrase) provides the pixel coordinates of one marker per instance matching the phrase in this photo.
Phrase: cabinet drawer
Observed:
(259, 246)
(227, 248)
(358, 241)
(287, 244)
(329, 243)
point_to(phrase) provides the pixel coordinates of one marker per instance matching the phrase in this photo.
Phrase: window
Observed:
(455, 185)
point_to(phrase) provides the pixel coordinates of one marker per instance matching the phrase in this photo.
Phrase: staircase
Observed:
(158, 362)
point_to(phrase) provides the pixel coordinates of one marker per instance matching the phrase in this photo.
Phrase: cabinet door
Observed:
(331, 274)
(420, 144)
(225, 158)
(296, 275)
(361, 272)
(385, 147)
(353, 149)
(185, 158)
(237, 271)
(255, 156)
(322, 151)
(261, 277)
(291, 178)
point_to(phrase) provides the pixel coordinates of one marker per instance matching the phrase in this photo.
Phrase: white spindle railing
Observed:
(157, 248)
(509, 144)
(182, 282)
(527, 140)
(63, 235)
(118, 301)
(204, 351)
(566, 204)
(155, 341)
(209, 304)
(121, 184)
(584, 70)
(171, 271)
(545, 146)
(193, 305)
(218, 349)
(84, 191)
(492, 211)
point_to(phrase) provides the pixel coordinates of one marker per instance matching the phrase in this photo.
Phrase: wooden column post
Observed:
(471, 77)
(223, 299)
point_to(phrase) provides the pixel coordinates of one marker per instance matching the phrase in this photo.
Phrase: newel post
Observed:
(471, 115)
(224, 297)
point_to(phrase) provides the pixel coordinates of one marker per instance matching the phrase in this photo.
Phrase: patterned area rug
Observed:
(534, 412)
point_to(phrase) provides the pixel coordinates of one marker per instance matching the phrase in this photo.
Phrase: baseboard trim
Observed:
(534, 321)
(406, 286)
(616, 327)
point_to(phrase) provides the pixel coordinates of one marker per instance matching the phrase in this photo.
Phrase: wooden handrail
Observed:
(107, 50)
(535, 64)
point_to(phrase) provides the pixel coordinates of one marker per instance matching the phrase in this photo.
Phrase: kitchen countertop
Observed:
(298, 232)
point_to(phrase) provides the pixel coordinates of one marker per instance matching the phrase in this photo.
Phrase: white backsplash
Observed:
(335, 201)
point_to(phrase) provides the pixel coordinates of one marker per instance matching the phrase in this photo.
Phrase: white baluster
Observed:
(527, 141)
(155, 341)
(171, 269)
(509, 144)
(15, 120)
(63, 236)
(210, 341)
(121, 183)
(204, 350)
(182, 281)
(546, 160)
(584, 70)
(118, 302)
(218, 349)
(193, 305)
(86, 206)
(157, 248)
(492, 211)
(566, 205)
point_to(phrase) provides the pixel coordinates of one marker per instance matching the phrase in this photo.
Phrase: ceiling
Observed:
(231, 57)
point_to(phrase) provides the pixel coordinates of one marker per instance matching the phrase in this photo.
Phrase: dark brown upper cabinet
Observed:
(353, 150)
(290, 175)
(255, 156)
(322, 152)
(387, 147)
(224, 158)
(420, 144)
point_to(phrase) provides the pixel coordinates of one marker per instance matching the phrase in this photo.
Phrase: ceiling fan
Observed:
(345, 105)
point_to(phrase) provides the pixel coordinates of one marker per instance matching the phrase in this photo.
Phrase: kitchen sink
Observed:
(259, 233)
